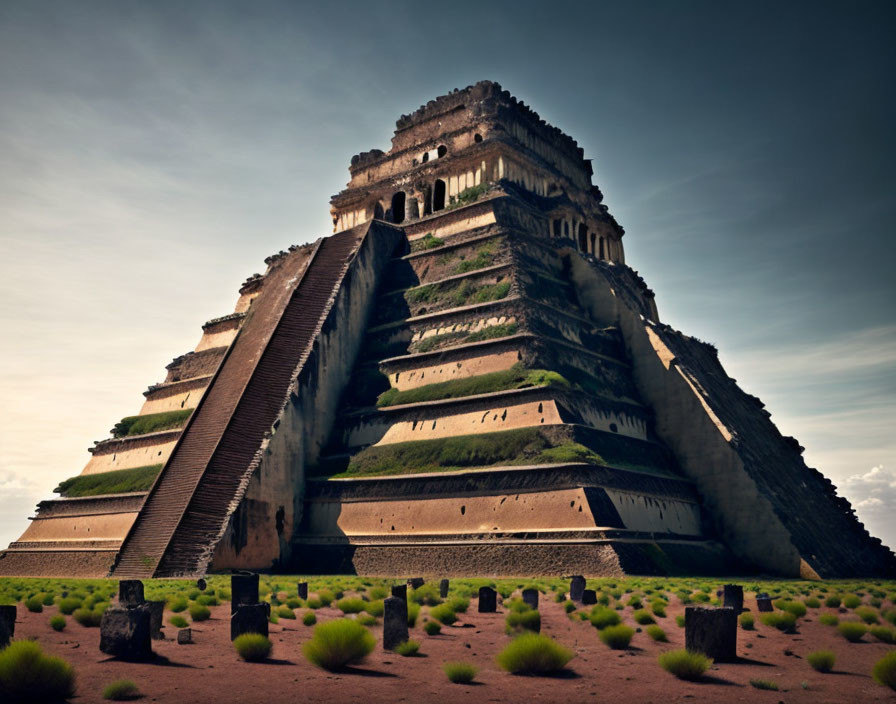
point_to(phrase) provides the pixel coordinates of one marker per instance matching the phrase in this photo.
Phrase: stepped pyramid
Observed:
(465, 379)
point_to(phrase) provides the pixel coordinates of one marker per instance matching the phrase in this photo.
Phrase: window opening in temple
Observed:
(425, 157)
(583, 237)
(438, 195)
(442, 150)
(556, 228)
(378, 211)
(477, 138)
(398, 201)
(602, 250)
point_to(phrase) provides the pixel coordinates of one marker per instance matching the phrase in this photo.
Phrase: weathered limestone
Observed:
(125, 633)
(395, 622)
(130, 592)
(488, 600)
(530, 596)
(184, 636)
(243, 591)
(7, 624)
(303, 590)
(250, 618)
(733, 596)
(443, 588)
(712, 631)
(576, 588)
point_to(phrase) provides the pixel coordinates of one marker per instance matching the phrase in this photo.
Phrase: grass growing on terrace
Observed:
(150, 423)
(514, 378)
(507, 447)
(118, 481)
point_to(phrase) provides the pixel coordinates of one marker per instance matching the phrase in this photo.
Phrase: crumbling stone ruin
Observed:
(464, 379)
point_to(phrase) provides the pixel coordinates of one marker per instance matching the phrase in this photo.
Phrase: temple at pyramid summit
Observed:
(465, 378)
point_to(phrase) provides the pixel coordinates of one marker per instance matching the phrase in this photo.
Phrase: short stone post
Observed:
(130, 593)
(488, 600)
(184, 636)
(243, 590)
(250, 618)
(7, 624)
(576, 588)
(416, 582)
(303, 591)
(733, 596)
(764, 603)
(443, 588)
(530, 596)
(712, 632)
(156, 613)
(395, 622)
(589, 596)
(400, 591)
(201, 584)
(125, 633)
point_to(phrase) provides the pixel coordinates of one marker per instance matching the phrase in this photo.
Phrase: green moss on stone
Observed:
(150, 423)
(119, 481)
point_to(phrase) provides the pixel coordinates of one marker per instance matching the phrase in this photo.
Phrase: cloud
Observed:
(873, 495)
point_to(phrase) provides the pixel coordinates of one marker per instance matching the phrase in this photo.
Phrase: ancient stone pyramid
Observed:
(465, 379)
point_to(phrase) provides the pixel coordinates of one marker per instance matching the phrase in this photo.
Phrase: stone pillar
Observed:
(764, 603)
(303, 590)
(395, 622)
(488, 600)
(576, 588)
(156, 613)
(7, 624)
(416, 582)
(184, 636)
(400, 591)
(712, 632)
(243, 590)
(201, 584)
(530, 596)
(125, 633)
(733, 596)
(412, 209)
(250, 618)
(130, 593)
(589, 596)
(443, 588)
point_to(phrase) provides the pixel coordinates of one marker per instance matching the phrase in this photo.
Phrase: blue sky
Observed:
(155, 153)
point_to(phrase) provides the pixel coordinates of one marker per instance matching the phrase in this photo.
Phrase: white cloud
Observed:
(873, 495)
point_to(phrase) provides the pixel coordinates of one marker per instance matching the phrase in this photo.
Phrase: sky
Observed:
(154, 153)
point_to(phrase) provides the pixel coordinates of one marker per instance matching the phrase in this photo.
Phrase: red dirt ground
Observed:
(210, 670)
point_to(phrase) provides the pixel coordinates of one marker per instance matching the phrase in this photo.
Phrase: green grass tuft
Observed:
(617, 637)
(656, 633)
(642, 617)
(885, 671)
(88, 617)
(57, 622)
(309, 619)
(338, 643)
(685, 665)
(764, 684)
(883, 634)
(518, 621)
(432, 628)
(602, 617)
(287, 613)
(822, 660)
(119, 481)
(747, 622)
(27, 675)
(121, 691)
(852, 630)
(199, 612)
(459, 672)
(351, 606)
(151, 423)
(178, 621)
(408, 649)
(828, 619)
(784, 621)
(533, 653)
(253, 647)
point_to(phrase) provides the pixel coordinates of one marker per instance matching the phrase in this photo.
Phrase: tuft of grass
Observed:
(287, 613)
(68, 604)
(151, 423)
(601, 617)
(679, 620)
(828, 619)
(118, 481)
(366, 620)
(784, 621)
(444, 614)
(432, 628)
(29, 676)
(459, 672)
(852, 630)
(413, 614)
(812, 602)
(764, 684)
(485, 256)
(833, 601)
(428, 241)
(822, 660)
(199, 612)
(351, 606)
(642, 617)
(517, 621)
(747, 622)
(375, 608)
(685, 665)
(796, 608)
(253, 647)
(310, 618)
(178, 621)
(57, 622)
(851, 601)
(88, 617)
(178, 604)
(617, 637)
(408, 649)
(868, 615)
(656, 633)
(338, 643)
(532, 654)
(121, 691)
(885, 671)
(883, 634)
(34, 604)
